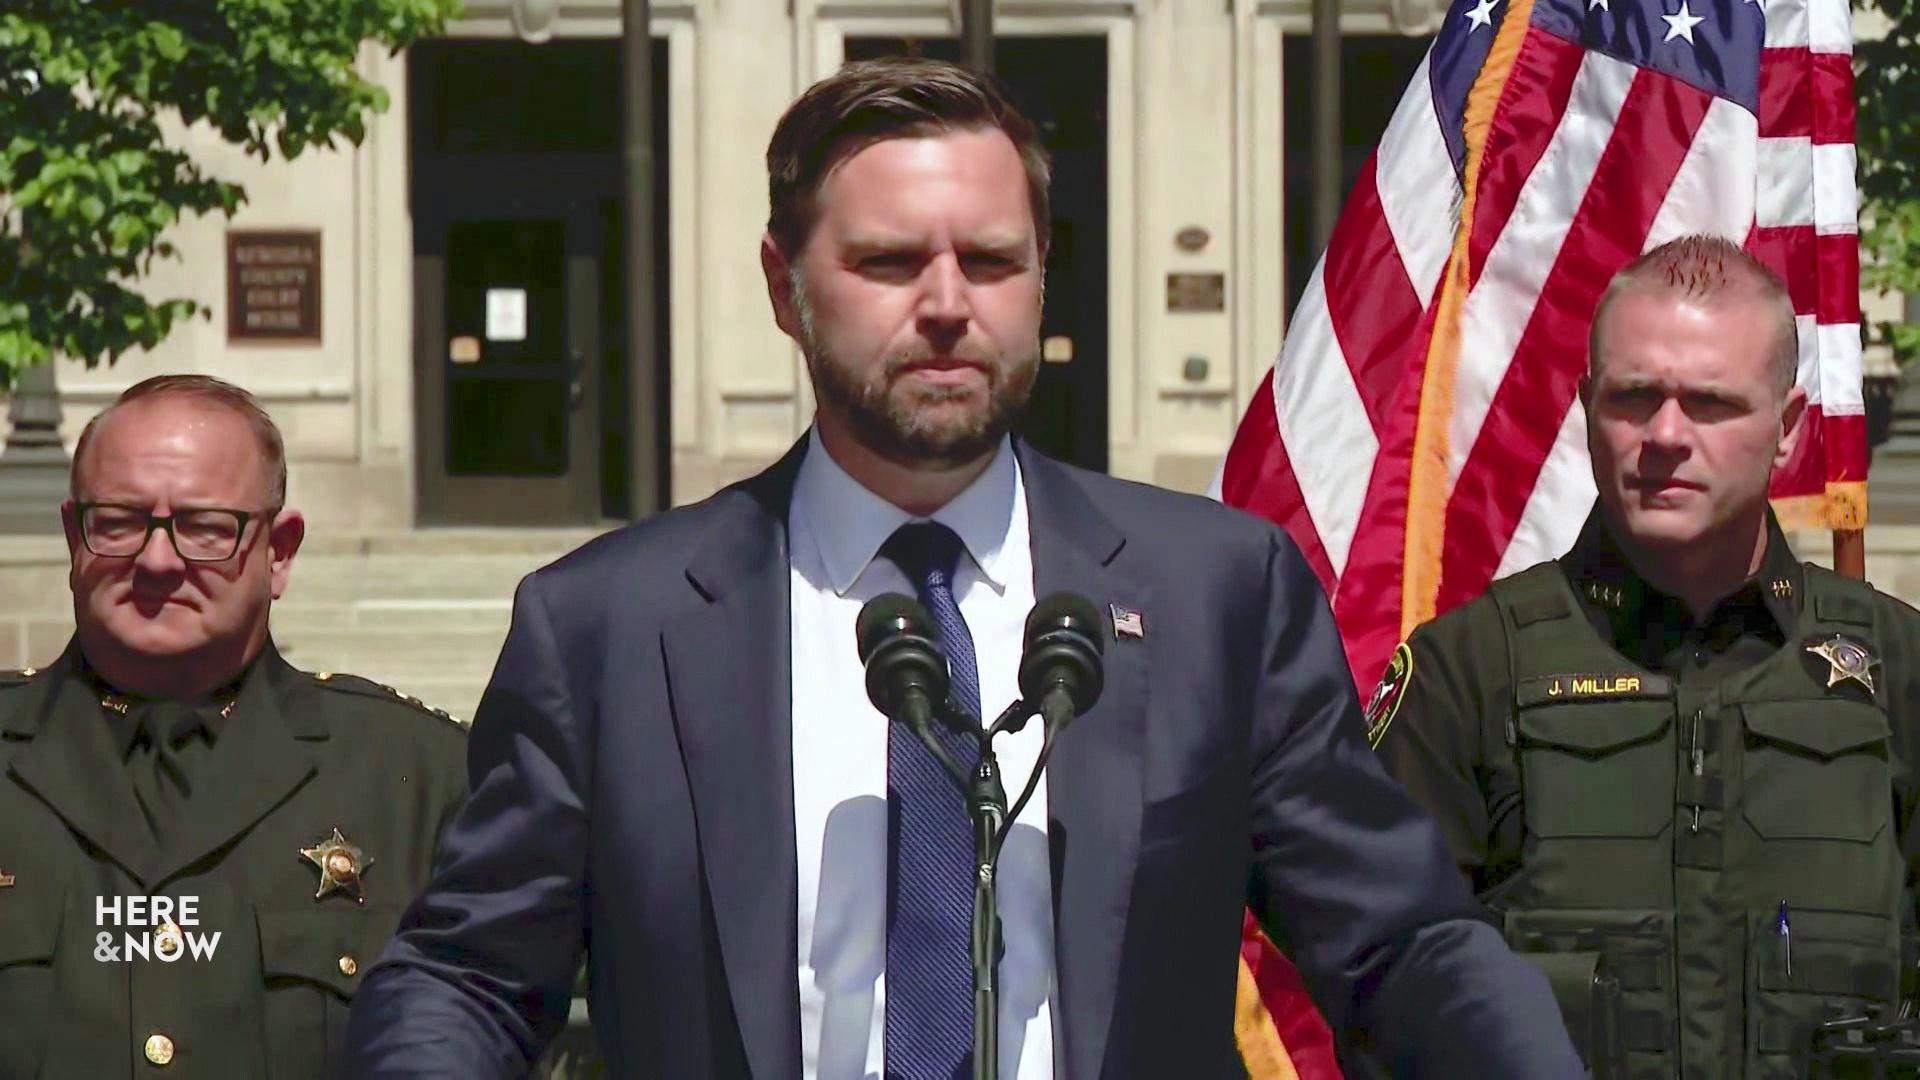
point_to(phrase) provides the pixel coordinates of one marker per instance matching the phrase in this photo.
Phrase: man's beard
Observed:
(927, 427)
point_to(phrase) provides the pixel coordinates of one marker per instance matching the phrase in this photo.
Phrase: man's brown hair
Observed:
(892, 98)
(212, 391)
(1707, 269)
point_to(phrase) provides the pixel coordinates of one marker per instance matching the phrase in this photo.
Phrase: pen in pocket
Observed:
(1785, 930)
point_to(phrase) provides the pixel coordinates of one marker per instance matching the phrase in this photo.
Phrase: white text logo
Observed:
(151, 928)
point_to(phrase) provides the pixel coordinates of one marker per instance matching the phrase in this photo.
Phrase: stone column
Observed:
(33, 467)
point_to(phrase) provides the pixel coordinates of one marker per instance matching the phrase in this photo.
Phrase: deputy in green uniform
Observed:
(201, 847)
(1677, 746)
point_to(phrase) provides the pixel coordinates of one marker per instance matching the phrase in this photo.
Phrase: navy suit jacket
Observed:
(631, 773)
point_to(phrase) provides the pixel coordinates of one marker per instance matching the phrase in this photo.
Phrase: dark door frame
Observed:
(575, 497)
(518, 163)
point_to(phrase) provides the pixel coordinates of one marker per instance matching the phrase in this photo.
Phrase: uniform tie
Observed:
(929, 1008)
(160, 778)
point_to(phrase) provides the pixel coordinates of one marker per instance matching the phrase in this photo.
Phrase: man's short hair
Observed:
(211, 391)
(1707, 269)
(891, 98)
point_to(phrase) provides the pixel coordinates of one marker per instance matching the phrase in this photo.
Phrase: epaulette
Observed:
(354, 684)
(17, 677)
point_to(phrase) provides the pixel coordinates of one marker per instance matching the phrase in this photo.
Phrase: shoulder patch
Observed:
(1387, 696)
(354, 684)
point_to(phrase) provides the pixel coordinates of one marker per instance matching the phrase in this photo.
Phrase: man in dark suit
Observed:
(201, 847)
(676, 768)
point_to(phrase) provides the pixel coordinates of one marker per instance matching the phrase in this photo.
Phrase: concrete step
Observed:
(423, 610)
(418, 578)
(441, 653)
(291, 615)
(440, 542)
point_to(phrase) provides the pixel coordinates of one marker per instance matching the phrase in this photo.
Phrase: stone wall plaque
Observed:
(273, 286)
(1196, 292)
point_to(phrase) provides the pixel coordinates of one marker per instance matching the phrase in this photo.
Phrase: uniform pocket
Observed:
(1843, 963)
(1816, 771)
(312, 960)
(1597, 770)
(1636, 947)
(29, 938)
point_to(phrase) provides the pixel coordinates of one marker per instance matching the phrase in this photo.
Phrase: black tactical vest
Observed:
(1671, 828)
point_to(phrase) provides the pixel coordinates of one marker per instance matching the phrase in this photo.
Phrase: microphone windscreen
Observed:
(887, 615)
(1066, 611)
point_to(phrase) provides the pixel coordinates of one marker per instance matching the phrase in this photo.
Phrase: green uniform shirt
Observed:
(1686, 776)
(316, 804)
(1445, 741)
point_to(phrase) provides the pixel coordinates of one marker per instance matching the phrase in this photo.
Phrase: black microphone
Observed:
(1060, 668)
(906, 671)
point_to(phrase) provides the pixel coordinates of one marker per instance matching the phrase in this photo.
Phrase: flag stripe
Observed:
(1836, 202)
(1821, 271)
(1785, 111)
(1537, 91)
(1321, 401)
(1830, 94)
(1713, 190)
(1411, 170)
(1846, 432)
(1839, 345)
(1559, 502)
(1806, 94)
(1259, 478)
(1369, 620)
(1785, 184)
(1372, 304)
(1787, 24)
(1837, 262)
(1829, 26)
(1502, 304)
(1650, 141)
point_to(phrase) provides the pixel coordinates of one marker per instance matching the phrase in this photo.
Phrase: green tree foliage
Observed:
(1888, 136)
(89, 184)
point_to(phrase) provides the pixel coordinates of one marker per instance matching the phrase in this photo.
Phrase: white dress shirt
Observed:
(836, 528)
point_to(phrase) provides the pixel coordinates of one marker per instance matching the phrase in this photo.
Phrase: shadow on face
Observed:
(1686, 420)
(916, 299)
(175, 612)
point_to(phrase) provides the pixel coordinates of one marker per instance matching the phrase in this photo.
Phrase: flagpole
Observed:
(1850, 553)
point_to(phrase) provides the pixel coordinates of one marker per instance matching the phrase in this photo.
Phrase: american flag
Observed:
(1419, 434)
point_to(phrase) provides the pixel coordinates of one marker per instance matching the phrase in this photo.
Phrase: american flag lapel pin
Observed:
(1128, 623)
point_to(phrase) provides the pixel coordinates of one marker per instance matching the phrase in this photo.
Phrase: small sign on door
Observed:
(506, 314)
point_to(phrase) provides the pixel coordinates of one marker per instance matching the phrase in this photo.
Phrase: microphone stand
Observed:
(987, 805)
(987, 801)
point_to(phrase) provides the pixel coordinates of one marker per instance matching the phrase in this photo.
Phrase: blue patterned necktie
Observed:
(929, 1008)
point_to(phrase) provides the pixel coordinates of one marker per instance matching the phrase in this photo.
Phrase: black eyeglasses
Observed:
(197, 533)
